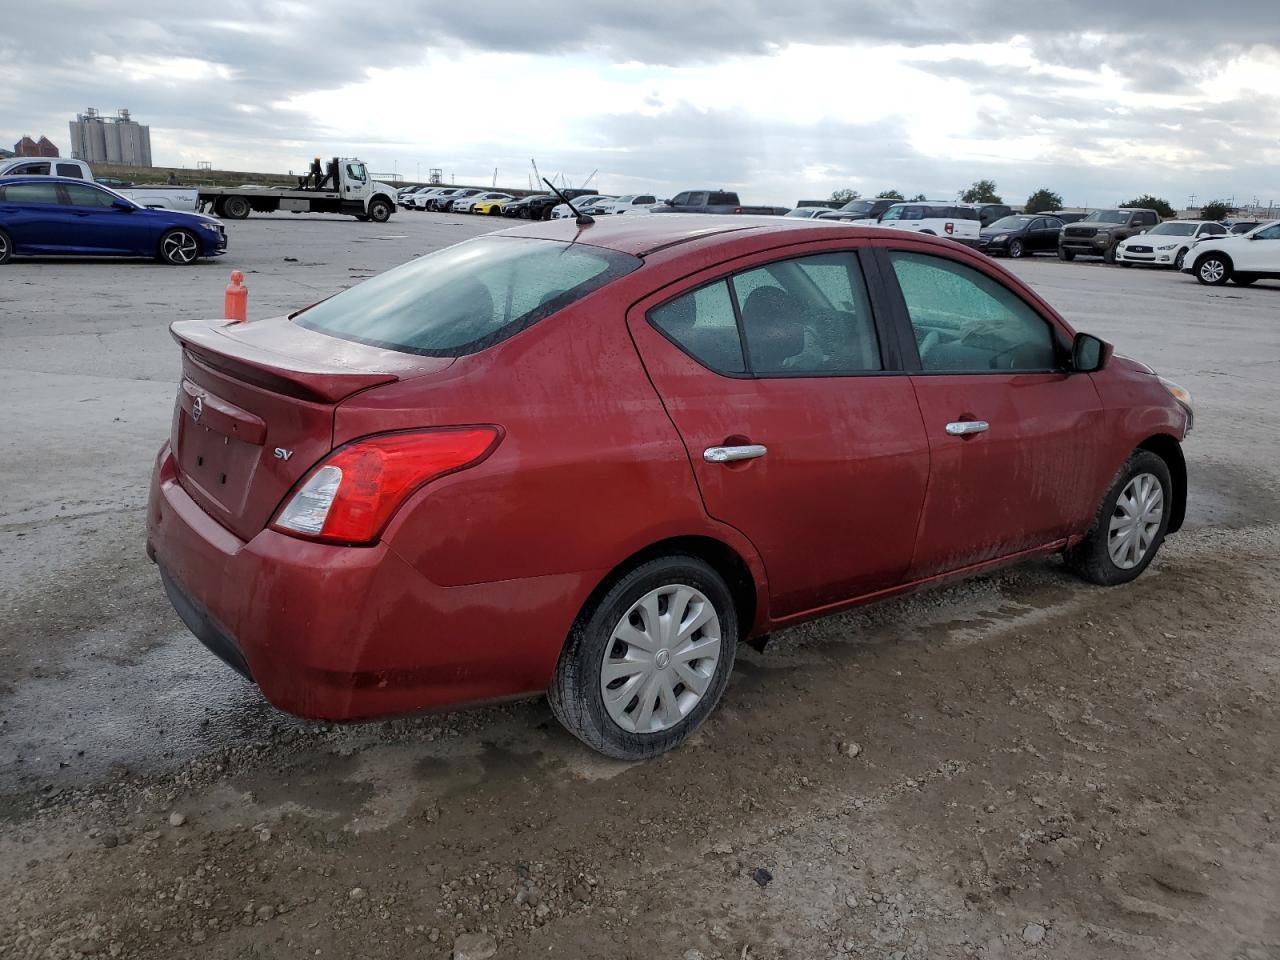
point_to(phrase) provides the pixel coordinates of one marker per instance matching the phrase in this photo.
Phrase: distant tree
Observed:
(888, 195)
(982, 191)
(844, 196)
(1148, 202)
(1043, 199)
(1215, 210)
(919, 197)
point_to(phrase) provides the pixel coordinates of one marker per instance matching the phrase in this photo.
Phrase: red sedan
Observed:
(592, 460)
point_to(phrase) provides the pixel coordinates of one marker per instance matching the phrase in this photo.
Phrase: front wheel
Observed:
(1066, 255)
(1016, 249)
(1130, 524)
(1180, 259)
(379, 211)
(179, 247)
(6, 247)
(1109, 255)
(647, 662)
(1213, 270)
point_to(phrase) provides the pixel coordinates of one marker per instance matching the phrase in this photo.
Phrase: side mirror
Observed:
(1089, 354)
(121, 204)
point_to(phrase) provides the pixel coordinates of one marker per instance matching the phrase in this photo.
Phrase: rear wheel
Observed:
(1016, 249)
(379, 211)
(235, 208)
(1130, 525)
(6, 247)
(179, 247)
(646, 663)
(1213, 269)
(1066, 255)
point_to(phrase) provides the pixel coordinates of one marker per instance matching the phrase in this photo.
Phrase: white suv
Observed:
(1242, 258)
(1166, 244)
(627, 203)
(938, 218)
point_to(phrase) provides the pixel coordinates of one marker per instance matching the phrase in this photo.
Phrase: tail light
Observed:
(950, 228)
(350, 495)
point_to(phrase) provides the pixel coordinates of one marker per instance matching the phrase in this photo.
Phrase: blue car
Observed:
(62, 216)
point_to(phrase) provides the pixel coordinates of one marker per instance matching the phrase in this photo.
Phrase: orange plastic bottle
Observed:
(235, 306)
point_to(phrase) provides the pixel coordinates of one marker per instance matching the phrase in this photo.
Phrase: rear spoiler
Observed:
(313, 371)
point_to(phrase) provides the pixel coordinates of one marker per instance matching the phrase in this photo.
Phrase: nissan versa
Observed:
(593, 459)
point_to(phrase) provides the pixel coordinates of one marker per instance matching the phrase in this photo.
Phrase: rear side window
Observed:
(467, 297)
(31, 193)
(703, 324)
(69, 170)
(964, 213)
(965, 322)
(723, 199)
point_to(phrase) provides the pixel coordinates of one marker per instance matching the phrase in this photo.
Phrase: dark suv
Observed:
(1098, 234)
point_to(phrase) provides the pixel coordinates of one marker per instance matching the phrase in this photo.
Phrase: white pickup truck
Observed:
(157, 197)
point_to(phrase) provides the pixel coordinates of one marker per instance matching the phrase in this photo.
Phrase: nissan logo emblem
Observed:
(197, 409)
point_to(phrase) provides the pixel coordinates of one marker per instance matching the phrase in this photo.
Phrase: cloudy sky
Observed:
(1097, 99)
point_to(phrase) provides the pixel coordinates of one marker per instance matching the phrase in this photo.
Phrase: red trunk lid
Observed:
(255, 409)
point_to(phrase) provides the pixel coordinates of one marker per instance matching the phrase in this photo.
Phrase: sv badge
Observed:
(283, 454)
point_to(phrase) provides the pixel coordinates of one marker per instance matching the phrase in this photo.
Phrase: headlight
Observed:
(1000, 239)
(212, 227)
(1166, 246)
(1183, 396)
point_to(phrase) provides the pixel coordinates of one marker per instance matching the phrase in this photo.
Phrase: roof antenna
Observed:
(584, 220)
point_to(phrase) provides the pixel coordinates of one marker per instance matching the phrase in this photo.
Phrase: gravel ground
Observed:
(1017, 766)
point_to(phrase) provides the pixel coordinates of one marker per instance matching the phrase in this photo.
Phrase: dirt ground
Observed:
(1016, 766)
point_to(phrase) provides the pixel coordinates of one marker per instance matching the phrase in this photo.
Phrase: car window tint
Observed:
(85, 196)
(1270, 233)
(893, 213)
(966, 322)
(644, 199)
(467, 297)
(807, 316)
(31, 193)
(69, 170)
(29, 170)
(703, 324)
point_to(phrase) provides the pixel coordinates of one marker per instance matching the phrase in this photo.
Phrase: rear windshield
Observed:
(466, 297)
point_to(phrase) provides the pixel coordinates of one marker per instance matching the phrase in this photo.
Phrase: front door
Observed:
(800, 432)
(1011, 433)
(1259, 254)
(93, 225)
(1043, 234)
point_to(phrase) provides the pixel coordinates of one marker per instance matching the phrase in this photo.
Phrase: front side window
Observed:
(85, 196)
(29, 170)
(31, 193)
(966, 322)
(1213, 229)
(467, 297)
(1268, 233)
(355, 171)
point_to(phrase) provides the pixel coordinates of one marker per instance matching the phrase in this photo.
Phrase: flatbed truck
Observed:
(355, 193)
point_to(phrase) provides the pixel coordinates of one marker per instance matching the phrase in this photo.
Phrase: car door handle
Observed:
(962, 428)
(749, 451)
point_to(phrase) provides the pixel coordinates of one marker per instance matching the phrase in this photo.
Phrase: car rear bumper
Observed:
(349, 633)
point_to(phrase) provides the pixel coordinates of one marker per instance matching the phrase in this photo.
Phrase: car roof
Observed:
(38, 178)
(639, 236)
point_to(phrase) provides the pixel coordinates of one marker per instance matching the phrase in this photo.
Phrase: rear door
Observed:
(34, 216)
(801, 428)
(1012, 435)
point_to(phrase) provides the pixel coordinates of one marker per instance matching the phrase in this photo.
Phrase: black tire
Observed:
(1017, 249)
(235, 208)
(379, 211)
(1066, 255)
(1180, 259)
(6, 247)
(1109, 255)
(362, 217)
(1243, 279)
(179, 247)
(1091, 558)
(1213, 269)
(575, 695)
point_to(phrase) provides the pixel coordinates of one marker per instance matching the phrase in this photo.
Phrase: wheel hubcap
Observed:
(1212, 270)
(1135, 521)
(661, 658)
(180, 248)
